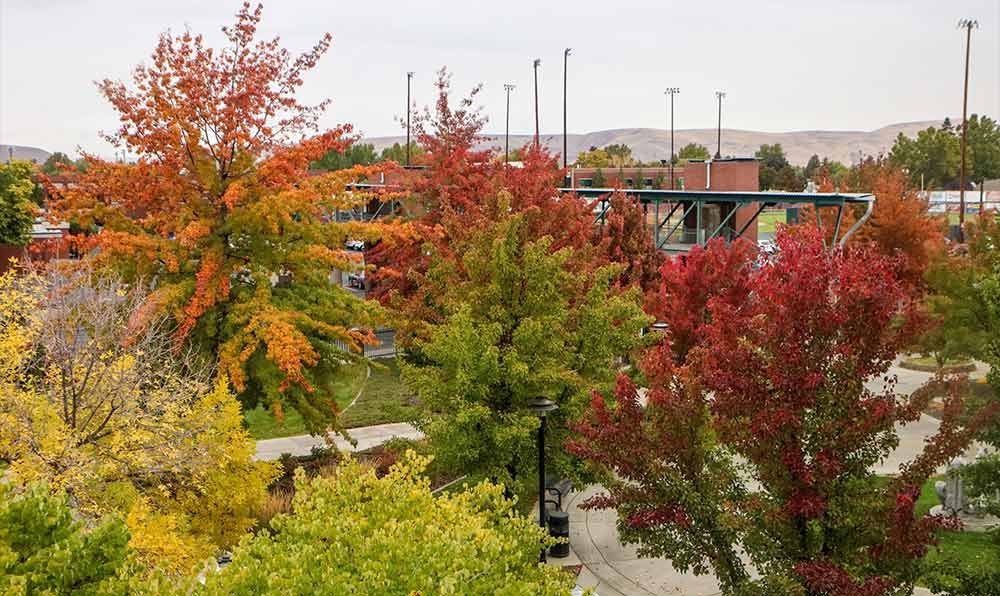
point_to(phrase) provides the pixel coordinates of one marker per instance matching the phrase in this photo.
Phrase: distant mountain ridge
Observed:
(651, 144)
(23, 153)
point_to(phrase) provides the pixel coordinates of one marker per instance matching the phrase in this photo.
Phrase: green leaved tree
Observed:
(45, 550)
(692, 151)
(932, 159)
(360, 154)
(984, 149)
(17, 211)
(356, 533)
(517, 323)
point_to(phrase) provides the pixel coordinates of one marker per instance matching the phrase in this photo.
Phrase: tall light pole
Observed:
(968, 25)
(671, 91)
(537, 62)
(718, 148)
(541, 407)
(506, 137)
(566, 53)
(409, 77)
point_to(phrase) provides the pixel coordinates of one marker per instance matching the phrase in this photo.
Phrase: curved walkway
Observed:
(365, 436)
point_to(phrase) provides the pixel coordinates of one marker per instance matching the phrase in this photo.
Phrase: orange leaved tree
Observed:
(900, 223)
(220, 214)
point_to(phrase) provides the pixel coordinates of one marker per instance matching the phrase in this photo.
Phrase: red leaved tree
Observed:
(783, 377)
(448, 203)
(675, 491)
(625, 239)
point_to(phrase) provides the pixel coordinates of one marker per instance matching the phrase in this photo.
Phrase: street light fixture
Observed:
(718, 148)
(537, 63)
(968, 25)
(671, 91)
(506, 137)
(541, 406)
(409, 77)
(566, 53)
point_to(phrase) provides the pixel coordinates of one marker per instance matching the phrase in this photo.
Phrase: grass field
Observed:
(263, 425)
(383, 399)
(767, 222)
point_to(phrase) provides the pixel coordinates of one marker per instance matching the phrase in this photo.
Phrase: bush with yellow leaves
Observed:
(355, 533)
(97, 401)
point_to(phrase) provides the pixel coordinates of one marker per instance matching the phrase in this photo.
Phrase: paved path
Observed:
(614, 569)
(366, 437)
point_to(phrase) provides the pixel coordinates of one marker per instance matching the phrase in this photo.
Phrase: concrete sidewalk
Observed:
(366, 438)
(613, 569)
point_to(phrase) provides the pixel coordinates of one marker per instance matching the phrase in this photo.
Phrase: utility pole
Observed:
(537, 62)
(968, 25)
(506, 137)
(566, 53)
(718, 149)
(671, 91)
(409, 77)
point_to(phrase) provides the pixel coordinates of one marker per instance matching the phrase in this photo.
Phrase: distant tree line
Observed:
(364, 154)
(932, 160)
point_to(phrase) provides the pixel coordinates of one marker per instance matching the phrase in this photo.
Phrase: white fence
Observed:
(948, 200)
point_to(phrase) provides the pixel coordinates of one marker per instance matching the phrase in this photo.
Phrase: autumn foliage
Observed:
(900, 223)
(450, 198)
(220, 210)
(96, 403)
(781, 367)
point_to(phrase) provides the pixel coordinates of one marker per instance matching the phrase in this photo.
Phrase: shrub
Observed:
(356, 533)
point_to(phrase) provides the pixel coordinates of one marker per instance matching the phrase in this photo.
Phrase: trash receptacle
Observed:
(559, 528)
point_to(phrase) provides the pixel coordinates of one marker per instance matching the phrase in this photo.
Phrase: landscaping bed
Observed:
(324, 462)
(975, 393)
(931, 365)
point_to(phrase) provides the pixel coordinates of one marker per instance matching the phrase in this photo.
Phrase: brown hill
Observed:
(650, 144)
(21, 152)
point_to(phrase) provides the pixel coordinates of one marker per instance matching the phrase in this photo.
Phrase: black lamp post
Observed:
(540, 406)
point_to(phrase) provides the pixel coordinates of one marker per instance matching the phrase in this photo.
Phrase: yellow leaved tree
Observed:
(96, 400)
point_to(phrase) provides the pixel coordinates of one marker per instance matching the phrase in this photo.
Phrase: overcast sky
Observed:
(786, 65)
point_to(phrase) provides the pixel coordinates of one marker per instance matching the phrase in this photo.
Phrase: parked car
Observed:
(356, 279)
(355, 245)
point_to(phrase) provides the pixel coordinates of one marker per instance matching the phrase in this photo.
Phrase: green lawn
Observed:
(969, 217)
(767, 222)
(384, 398)
(263, 425)
(973, 550)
